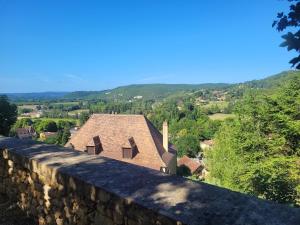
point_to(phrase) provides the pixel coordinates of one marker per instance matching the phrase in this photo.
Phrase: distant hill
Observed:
(34, 96)
(273, 81)
(145, 91)
(152, 91)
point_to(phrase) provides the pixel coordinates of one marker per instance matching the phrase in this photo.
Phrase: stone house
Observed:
(195, 166)
(129, 138)
(25, 132)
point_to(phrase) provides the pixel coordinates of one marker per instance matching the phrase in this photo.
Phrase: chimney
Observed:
(165, 136)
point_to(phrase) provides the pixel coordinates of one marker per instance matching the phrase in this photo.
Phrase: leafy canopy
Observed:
(258, 151)
(8, 115)
(291, 39)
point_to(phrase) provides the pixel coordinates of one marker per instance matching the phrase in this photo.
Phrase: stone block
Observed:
(62, 194)
(101, 219)
(103, 196)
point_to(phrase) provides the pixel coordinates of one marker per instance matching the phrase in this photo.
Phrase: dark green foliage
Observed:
(183, 171)
(45, 125)
(167, 111)
(258, 151)
(25, 110)
(24, 122)
(83, 118)
(50, 126)
(275, 179)
(61, 124)
(188, 124)
(8, 115)
(187, 144)
(124, 107)
(291, 39)
(55, 113)
(51, 140)
(63, 136)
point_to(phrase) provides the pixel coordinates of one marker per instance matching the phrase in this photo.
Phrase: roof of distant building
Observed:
(192, 164)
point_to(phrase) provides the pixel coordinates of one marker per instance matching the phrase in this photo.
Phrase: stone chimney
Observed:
(165, 136)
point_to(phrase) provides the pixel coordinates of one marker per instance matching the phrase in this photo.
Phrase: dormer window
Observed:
(127, 153)
(94, 147)
(129, 149)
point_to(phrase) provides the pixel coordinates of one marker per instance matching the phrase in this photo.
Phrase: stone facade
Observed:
(60, 186)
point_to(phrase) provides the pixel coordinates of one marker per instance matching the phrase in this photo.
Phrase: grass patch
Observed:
(78, 111)
(221, 116)
(65, 103)
(33, 107)
(220, 104)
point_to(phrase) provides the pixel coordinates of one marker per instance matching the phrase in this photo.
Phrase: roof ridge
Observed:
(108, 114)
(80, 130)
(149, 126)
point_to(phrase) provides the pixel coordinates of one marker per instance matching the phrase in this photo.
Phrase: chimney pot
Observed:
(165, 136)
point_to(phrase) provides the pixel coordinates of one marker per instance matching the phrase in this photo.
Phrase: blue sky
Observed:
(94, 45)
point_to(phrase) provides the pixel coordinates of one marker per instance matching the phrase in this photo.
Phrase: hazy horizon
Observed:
(50, 91)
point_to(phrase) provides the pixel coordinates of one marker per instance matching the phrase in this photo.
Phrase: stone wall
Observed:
(60, 186)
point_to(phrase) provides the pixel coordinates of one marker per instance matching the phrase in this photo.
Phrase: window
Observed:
(90, 150)
(95, 147)
(127, 153)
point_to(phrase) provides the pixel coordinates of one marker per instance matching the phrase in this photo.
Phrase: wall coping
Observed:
(171, 196)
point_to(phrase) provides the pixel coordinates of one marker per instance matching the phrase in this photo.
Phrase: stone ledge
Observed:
(115, 192)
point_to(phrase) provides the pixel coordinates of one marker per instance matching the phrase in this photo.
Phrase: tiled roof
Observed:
(22, 130)
(192, 164)
(115, 130)
(25, 130)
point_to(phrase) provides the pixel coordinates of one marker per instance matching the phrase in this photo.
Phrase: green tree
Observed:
(8, 115)
(258, 151)
(187, 145)
(25, 110)
(45, 125)
(50, 126)
(61, 124)
(24, 122)
(83, 118)
(65, 135)
(292, 38)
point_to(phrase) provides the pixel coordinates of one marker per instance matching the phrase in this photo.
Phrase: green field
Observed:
(221, 116)
(76, 121)
(220, 104)
(27, 106)
(66, 103)
(78, 111)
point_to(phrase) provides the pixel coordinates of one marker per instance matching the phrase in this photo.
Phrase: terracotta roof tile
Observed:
(115, 130)
(193, 165)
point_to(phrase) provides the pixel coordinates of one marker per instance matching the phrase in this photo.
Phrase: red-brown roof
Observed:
(25, 130)
(115, 130)
(192, 164)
